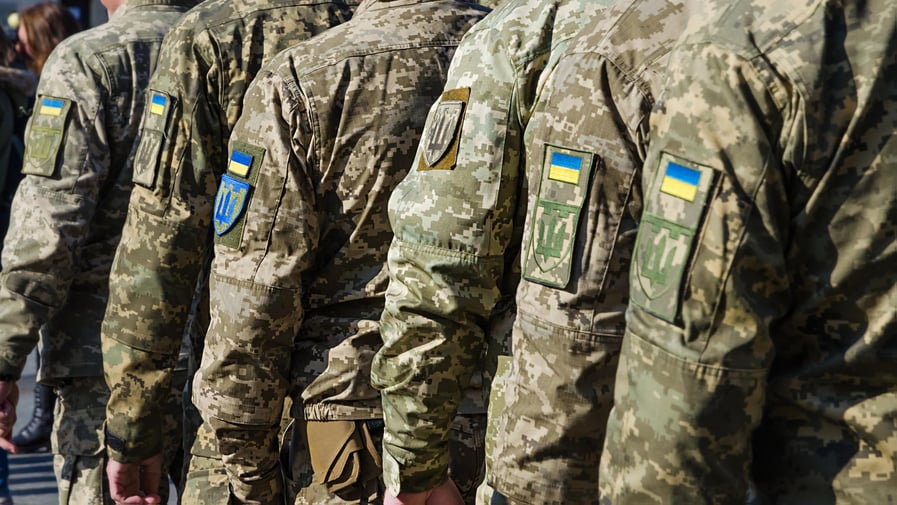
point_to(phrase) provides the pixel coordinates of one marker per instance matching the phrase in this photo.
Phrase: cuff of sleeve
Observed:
(9, 371)
(400, 478)
(125, 450)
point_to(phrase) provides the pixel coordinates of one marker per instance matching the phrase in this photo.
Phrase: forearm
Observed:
(432, 329)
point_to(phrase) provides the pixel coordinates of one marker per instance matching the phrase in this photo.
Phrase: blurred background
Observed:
(90, 13)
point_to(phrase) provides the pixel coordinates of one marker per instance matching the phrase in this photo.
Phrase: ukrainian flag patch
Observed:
(681, 181)
(239, 163)
(51, 107)
(565, 167)
(157, 104)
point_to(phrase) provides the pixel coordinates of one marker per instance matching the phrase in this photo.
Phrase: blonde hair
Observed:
(46, 25)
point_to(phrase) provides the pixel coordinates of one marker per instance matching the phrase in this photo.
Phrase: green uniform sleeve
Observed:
(708, 279)
(453, 220)
(266, 230)
(67, 159)
(179, 157)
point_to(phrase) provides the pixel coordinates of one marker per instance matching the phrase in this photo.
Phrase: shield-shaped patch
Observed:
(442, 130)
(229, 203)
(439, 143)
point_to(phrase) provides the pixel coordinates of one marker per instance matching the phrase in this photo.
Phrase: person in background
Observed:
(41, 27)
(66, 220)
(758, 360)
(158, 293)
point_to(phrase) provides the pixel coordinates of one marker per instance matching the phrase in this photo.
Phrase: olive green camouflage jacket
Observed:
(762, 333)
(69, 210)
(196, 95)
(541, 180)
(329, 128)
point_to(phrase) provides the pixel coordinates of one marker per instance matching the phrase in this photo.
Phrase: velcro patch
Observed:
(229, 203)
(674, 208)
(44, 137)
(563, 188)
(154, 134)
(441, 137)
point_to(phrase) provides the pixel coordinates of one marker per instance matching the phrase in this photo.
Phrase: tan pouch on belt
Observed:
(342, 453)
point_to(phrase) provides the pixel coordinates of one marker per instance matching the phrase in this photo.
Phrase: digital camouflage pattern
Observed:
(68, 211)
(456, 233)
(329, 128)
(569, 169)
(208, 60)
(67, 218)
(771, 360)
(78, 441)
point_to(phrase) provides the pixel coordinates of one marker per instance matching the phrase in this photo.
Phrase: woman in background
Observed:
(41, 27)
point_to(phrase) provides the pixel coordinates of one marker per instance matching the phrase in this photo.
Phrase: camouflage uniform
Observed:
(66, 221)
(760, 341)
(574, 190)
(207, 62)
(330, 127)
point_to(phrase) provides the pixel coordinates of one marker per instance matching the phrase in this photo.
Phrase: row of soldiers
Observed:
(655, 238)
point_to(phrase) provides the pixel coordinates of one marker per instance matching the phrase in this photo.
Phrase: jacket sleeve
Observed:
(67, 160)
(166, 241)
(707, 281)
(447, 265)
(263, 245)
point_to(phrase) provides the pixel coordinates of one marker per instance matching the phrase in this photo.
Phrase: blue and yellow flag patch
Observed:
(51, 106)
(564, 167)
(229, 203)
(239, 163)
(157, 104)
(680, 181)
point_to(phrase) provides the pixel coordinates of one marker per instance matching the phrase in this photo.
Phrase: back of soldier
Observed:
(329, 128)
(67, 218)
(207, 62)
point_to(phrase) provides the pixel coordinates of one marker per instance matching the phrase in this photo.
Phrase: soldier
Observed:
(575, 194)
(760, 341)
(67, 217)
(208, 60)
(329, 128)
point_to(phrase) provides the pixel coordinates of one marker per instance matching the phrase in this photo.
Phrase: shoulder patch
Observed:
(45, 134)
(229, 203)
(439, 143)
(154, 135)
(674, 208)
(235, 192)
(563, 189)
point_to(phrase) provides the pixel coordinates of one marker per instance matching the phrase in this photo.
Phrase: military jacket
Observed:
(196, 95)
(533, 101)
(759, 352)
(329, 128)
(68, 211)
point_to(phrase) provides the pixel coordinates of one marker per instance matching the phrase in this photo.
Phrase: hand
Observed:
(444, 494)
(135, 483)
(9, 398)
